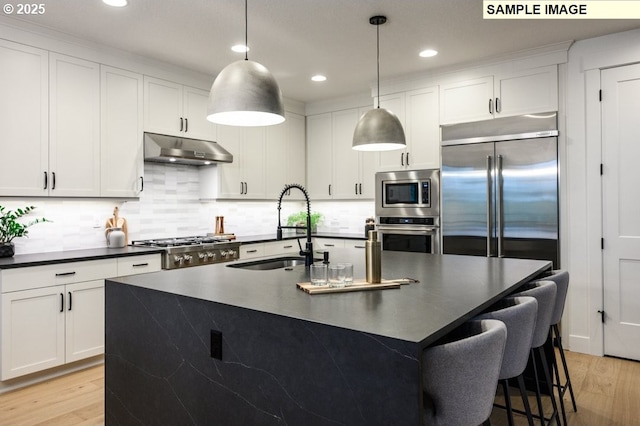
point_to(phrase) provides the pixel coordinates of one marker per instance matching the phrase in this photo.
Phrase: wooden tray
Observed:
(358, 285)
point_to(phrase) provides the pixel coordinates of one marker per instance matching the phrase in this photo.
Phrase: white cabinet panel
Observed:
(250, 251)
(84, 321)
(139, 264)
(527, 92)
(33, 327)
(345, 160)
(464, 101)
(194, 106)
(121, 160)
(74, 127)
(163, 107)
(319, 156)
(24, 119)
(253, 165)
(285, 156)
(289, 247)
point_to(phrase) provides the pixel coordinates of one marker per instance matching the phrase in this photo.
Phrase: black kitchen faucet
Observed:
(308, 251)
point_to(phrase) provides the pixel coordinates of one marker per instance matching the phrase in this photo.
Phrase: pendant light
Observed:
(245, 93)
(378, 129)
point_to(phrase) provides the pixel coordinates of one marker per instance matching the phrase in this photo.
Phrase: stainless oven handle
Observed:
(408, 231)
(489, 205)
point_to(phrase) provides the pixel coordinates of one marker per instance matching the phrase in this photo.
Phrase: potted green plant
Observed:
(300, 219)
(10, 228)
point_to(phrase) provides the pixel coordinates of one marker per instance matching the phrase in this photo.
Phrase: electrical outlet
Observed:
(216, 344)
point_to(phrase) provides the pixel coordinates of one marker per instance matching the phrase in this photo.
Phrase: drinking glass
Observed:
(318, 274)
(336, 276)
(348, 273)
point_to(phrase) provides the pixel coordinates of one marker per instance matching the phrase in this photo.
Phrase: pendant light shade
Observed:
(378, 129)
(245, 94)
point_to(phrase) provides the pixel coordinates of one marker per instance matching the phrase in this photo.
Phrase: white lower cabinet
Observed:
(283, 247)
(327, 243)
(249, 251)
(47, 327)
(54, 314)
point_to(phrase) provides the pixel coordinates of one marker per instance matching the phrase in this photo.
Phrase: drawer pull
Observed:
(358, 246)
(288, 246)
(252, 251)
(136, 265)
(65, 274)
(329, 245)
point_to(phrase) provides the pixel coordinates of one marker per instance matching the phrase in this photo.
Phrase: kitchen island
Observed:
(287, 357)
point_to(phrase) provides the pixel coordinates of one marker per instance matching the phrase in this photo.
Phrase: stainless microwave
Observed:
(408, 193)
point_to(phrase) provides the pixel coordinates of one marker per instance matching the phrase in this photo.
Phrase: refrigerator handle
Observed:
(489, 205)
(500, 212)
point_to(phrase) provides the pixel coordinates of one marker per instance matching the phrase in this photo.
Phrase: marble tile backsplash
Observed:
(169, 206)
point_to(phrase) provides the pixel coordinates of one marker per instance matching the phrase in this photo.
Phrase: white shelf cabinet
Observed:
(24, 119)
(418, 112)
(121, 133)
(174, 109)
(507, 94)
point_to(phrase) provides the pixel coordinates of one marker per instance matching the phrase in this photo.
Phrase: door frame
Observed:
(583, 199)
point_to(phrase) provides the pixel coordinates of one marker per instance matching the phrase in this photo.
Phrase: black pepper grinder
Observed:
(369, 225)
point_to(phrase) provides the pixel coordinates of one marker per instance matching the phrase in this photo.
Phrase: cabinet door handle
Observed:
(356, 188)
(252, 251)
(241, 187)
(186, 125)
(141, 183)
(402, 159)
(70, 300)
(360, 188)
(138, 265)
(490, 106)
(53, 176)
(181, 123)
(329, 189)
(46, 181)
(287, 247)
(65, 274)
(61, 302)
(358, 246)
(498, 106)
(246, 188)
(329, 245)
(407, 158)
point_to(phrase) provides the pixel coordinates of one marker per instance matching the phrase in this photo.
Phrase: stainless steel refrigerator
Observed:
(499, 188)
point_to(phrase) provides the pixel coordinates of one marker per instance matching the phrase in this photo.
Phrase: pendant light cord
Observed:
(246, 32)
(378, 59)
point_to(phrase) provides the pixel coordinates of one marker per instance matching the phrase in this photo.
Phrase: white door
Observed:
(621, 210)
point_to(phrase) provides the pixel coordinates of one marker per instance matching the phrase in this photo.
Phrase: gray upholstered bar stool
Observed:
(460, 374)
(561, 278)
(545, 294)
(519, 315)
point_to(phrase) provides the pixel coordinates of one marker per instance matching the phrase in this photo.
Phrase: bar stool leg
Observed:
(547, 378)
(525, 399)
(538, 397)
(556, 331)
(560, 387)
(507, 400)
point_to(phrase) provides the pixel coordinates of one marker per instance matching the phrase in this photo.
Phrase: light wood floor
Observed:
(607, 393)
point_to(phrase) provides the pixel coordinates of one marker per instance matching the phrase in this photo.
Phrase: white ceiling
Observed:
(296, 39)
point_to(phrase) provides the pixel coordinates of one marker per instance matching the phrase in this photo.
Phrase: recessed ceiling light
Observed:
(240, 48)
(115, 3)
(319, 77)
(428, 53)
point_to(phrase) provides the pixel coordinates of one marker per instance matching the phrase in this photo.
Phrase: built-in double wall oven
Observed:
(408, 210)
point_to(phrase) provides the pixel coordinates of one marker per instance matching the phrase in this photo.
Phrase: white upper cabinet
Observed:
(285, 156)
(418, 112)
(506, 94)
(173, 109)
(122, 165)
(74, 127)
(334, 169)
(24, 119)
(319, 156)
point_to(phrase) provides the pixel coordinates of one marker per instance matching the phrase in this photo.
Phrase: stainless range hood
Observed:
(175, 150)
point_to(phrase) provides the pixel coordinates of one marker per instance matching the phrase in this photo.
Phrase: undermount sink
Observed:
(268, 264)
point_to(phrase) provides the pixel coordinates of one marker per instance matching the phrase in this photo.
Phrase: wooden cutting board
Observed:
(358, 285)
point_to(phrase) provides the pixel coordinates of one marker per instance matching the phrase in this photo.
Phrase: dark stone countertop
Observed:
(49, 258)
(452, 289)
